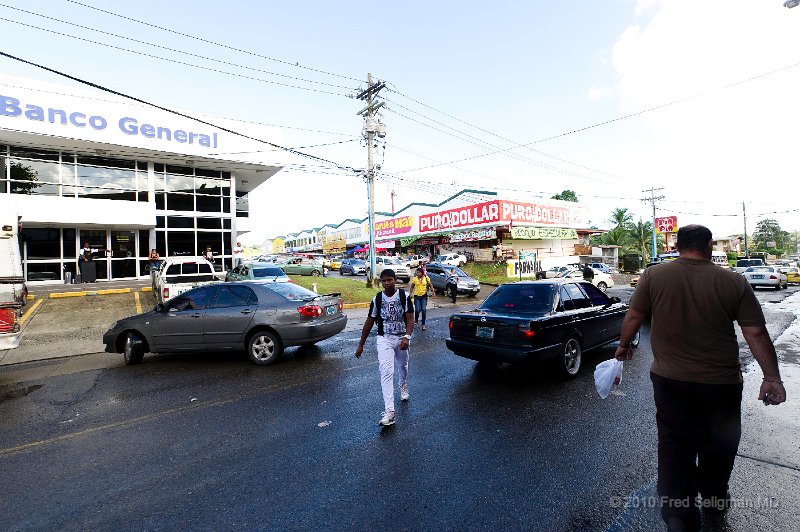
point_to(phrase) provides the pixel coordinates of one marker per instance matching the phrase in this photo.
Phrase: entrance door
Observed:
(123, 254)
(97, 240)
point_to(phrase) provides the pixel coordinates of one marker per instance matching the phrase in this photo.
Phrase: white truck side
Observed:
(13, 294)
(180, 274)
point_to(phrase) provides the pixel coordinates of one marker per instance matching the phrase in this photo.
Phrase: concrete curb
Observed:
(105, 292)
(355, 305)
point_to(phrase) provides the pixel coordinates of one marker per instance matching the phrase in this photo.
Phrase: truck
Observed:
(13, 292)
(742, 263)
(180, 274)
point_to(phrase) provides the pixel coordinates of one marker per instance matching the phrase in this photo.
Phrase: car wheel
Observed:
(460, 264)
(132, 348)
(472, 294)
(570, 360)
(314, 273)
(540, 276)
(602, 286)
(264, 348)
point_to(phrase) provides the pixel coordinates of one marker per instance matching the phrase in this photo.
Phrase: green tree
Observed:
(566, 195)
(618, 236)
(641, 234)
(768, 230)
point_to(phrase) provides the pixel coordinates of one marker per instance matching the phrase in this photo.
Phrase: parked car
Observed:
(792, 274)
(601, 280)
(743, 264)
(553, 272)
(415, 261)
(548, 320)
(453, 259)
(403, 273)
(336, 263)
(180, 274)
(302, 266)
(602, 266)
(766, 276)
(257, 271)
(13, 291)
(439, 273)
(260, 318)
(353, 267)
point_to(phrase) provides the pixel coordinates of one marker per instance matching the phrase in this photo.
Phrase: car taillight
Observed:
(528, 333)
(8, 319)
(165, 294)
(772, 277)
(451, 325)
(341, 305)
(310, 311)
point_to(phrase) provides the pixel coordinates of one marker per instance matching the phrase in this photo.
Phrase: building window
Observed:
(242, 204)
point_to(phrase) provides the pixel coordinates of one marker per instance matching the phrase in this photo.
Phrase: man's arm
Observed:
(409, 316)
(633, 320)
(364, 334)
(764, 352)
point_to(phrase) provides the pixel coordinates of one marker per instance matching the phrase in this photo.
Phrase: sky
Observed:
(608, 99)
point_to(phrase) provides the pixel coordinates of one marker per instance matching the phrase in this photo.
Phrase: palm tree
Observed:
(621, 218)
(615, 237)
(642, 235)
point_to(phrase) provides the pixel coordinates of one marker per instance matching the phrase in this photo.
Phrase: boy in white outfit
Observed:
(393, 310)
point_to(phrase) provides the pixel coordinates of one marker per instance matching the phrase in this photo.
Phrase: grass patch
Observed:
(352, 290)
(488, 272)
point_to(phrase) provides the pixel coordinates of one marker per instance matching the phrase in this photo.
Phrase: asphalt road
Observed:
(213, 442)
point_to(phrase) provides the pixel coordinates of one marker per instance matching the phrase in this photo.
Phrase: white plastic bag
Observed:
(606, 375)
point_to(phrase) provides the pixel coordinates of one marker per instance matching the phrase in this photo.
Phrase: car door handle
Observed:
(247, 311)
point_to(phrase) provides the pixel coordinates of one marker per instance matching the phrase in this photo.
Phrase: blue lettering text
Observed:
(10, 106)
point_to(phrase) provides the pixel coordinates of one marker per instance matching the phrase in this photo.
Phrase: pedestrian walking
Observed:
(394, 314)
(588, 273)
(696, 374)
(420, 285)
(452, 284)
(238, 254)
(154, 261)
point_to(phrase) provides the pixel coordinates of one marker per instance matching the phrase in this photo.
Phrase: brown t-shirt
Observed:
(694, 304)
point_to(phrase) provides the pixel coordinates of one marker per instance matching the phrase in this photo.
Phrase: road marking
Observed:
(28, 313)
(138, 303)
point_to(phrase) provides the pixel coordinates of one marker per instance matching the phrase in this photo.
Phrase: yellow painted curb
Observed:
(355, 305)
(28, 313)
(114, 291)
(57, 295)
(147, 289)
(31, 297)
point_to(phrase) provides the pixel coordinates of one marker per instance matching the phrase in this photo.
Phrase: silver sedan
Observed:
(259, 318)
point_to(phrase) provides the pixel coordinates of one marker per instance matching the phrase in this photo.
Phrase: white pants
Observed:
(390, 356)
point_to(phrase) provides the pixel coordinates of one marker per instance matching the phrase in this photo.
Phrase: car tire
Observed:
(314, 273)
(602, 286)
(460, 264)
(264, 348)
(472, 294)
(569, 362)
(540, 276)
(132, 348)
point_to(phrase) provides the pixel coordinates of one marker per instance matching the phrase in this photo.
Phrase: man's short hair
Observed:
(388, 272)
(693, 237)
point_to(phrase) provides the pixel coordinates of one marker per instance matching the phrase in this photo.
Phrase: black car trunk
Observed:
(504, 329)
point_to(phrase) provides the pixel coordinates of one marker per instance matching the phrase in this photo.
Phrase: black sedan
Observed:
(550, 320)
(260, 318)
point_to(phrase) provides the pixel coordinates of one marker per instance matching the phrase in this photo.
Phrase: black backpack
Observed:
(379, 303)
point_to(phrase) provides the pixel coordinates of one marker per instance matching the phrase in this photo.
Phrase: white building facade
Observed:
(88, 168)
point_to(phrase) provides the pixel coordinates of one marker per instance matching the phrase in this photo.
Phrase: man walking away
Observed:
(696, 375)
(588, 274)
(392, 309)
(452, 284)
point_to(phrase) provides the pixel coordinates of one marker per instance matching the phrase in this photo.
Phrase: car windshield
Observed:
(390, 260)
(260, 273)
(749, 262)
(357, 262)
(459, 271)
(534, 298)
(292, 291)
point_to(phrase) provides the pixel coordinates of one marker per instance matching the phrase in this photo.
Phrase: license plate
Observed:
(484, 332)
(758, 277)
(331, 309)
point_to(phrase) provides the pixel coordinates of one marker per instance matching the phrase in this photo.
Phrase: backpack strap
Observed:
(378, 306)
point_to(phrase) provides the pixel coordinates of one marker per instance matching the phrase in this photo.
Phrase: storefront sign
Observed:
(534, 213)
(334, 246)
(521, 268)
(667, 224)
(482, 213)
(486, 233)
(393, 227)
(500, 212)
(543, 233)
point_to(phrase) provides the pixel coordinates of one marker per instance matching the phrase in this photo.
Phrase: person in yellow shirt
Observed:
(419, 291)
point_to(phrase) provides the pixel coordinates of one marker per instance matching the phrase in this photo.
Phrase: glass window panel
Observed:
(180, 183)
(69, 246)
(160, 221)
(142, 166)
(123, 268)
(35, 171)
(108, 192)
(208, 203)
(3, 171)
(160, 182)
(141, 181)
(181, 243)
(98, 177)
(43, 155)
(207, 173)
(71, 267)
(226, 223)
(123, 244)
(95, 239)
(144, 267)
(185, 170)
(180, 222)
(180, 202)
(209, 186)
(158, 167)
(141, 196)
(27, 187)
(68, 174)
(206, 238)
(107, 162)
(209, 223)
(43, 243)
(160, 201)
(226, 241)
(161, 243)
(50, 271)
(226, 204)
(102, 268)
(144, 242)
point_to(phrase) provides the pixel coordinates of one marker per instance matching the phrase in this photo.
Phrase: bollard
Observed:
(314, 288)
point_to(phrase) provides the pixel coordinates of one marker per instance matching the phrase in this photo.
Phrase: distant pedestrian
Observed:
(420, 285)
(494, 252)
(208, 254)
(154, 260)
(452, 284)
(588, 273)
(238, 254)
(392, 310)
(696, 373)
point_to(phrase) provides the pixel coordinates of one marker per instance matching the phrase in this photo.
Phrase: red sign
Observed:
(532, 213)
(482, 213)
(395, 226)
(667, 224)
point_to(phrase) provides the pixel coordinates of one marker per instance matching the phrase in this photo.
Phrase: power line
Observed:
(176, 61)
(177, 113)
(208, 41)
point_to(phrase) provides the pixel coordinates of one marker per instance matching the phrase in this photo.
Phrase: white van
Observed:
(720, 258)
(13, 294)
(180, 274)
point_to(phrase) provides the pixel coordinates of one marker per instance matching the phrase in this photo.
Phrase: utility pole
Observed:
(392, 194)
(744, 216)
(371, 128)
(652, 199)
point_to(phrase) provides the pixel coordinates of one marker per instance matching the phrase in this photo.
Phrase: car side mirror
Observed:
(159, 307)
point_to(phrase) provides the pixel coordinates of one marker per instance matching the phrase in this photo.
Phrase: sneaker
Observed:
(404, 393)
(423, 327)
(387, 419)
